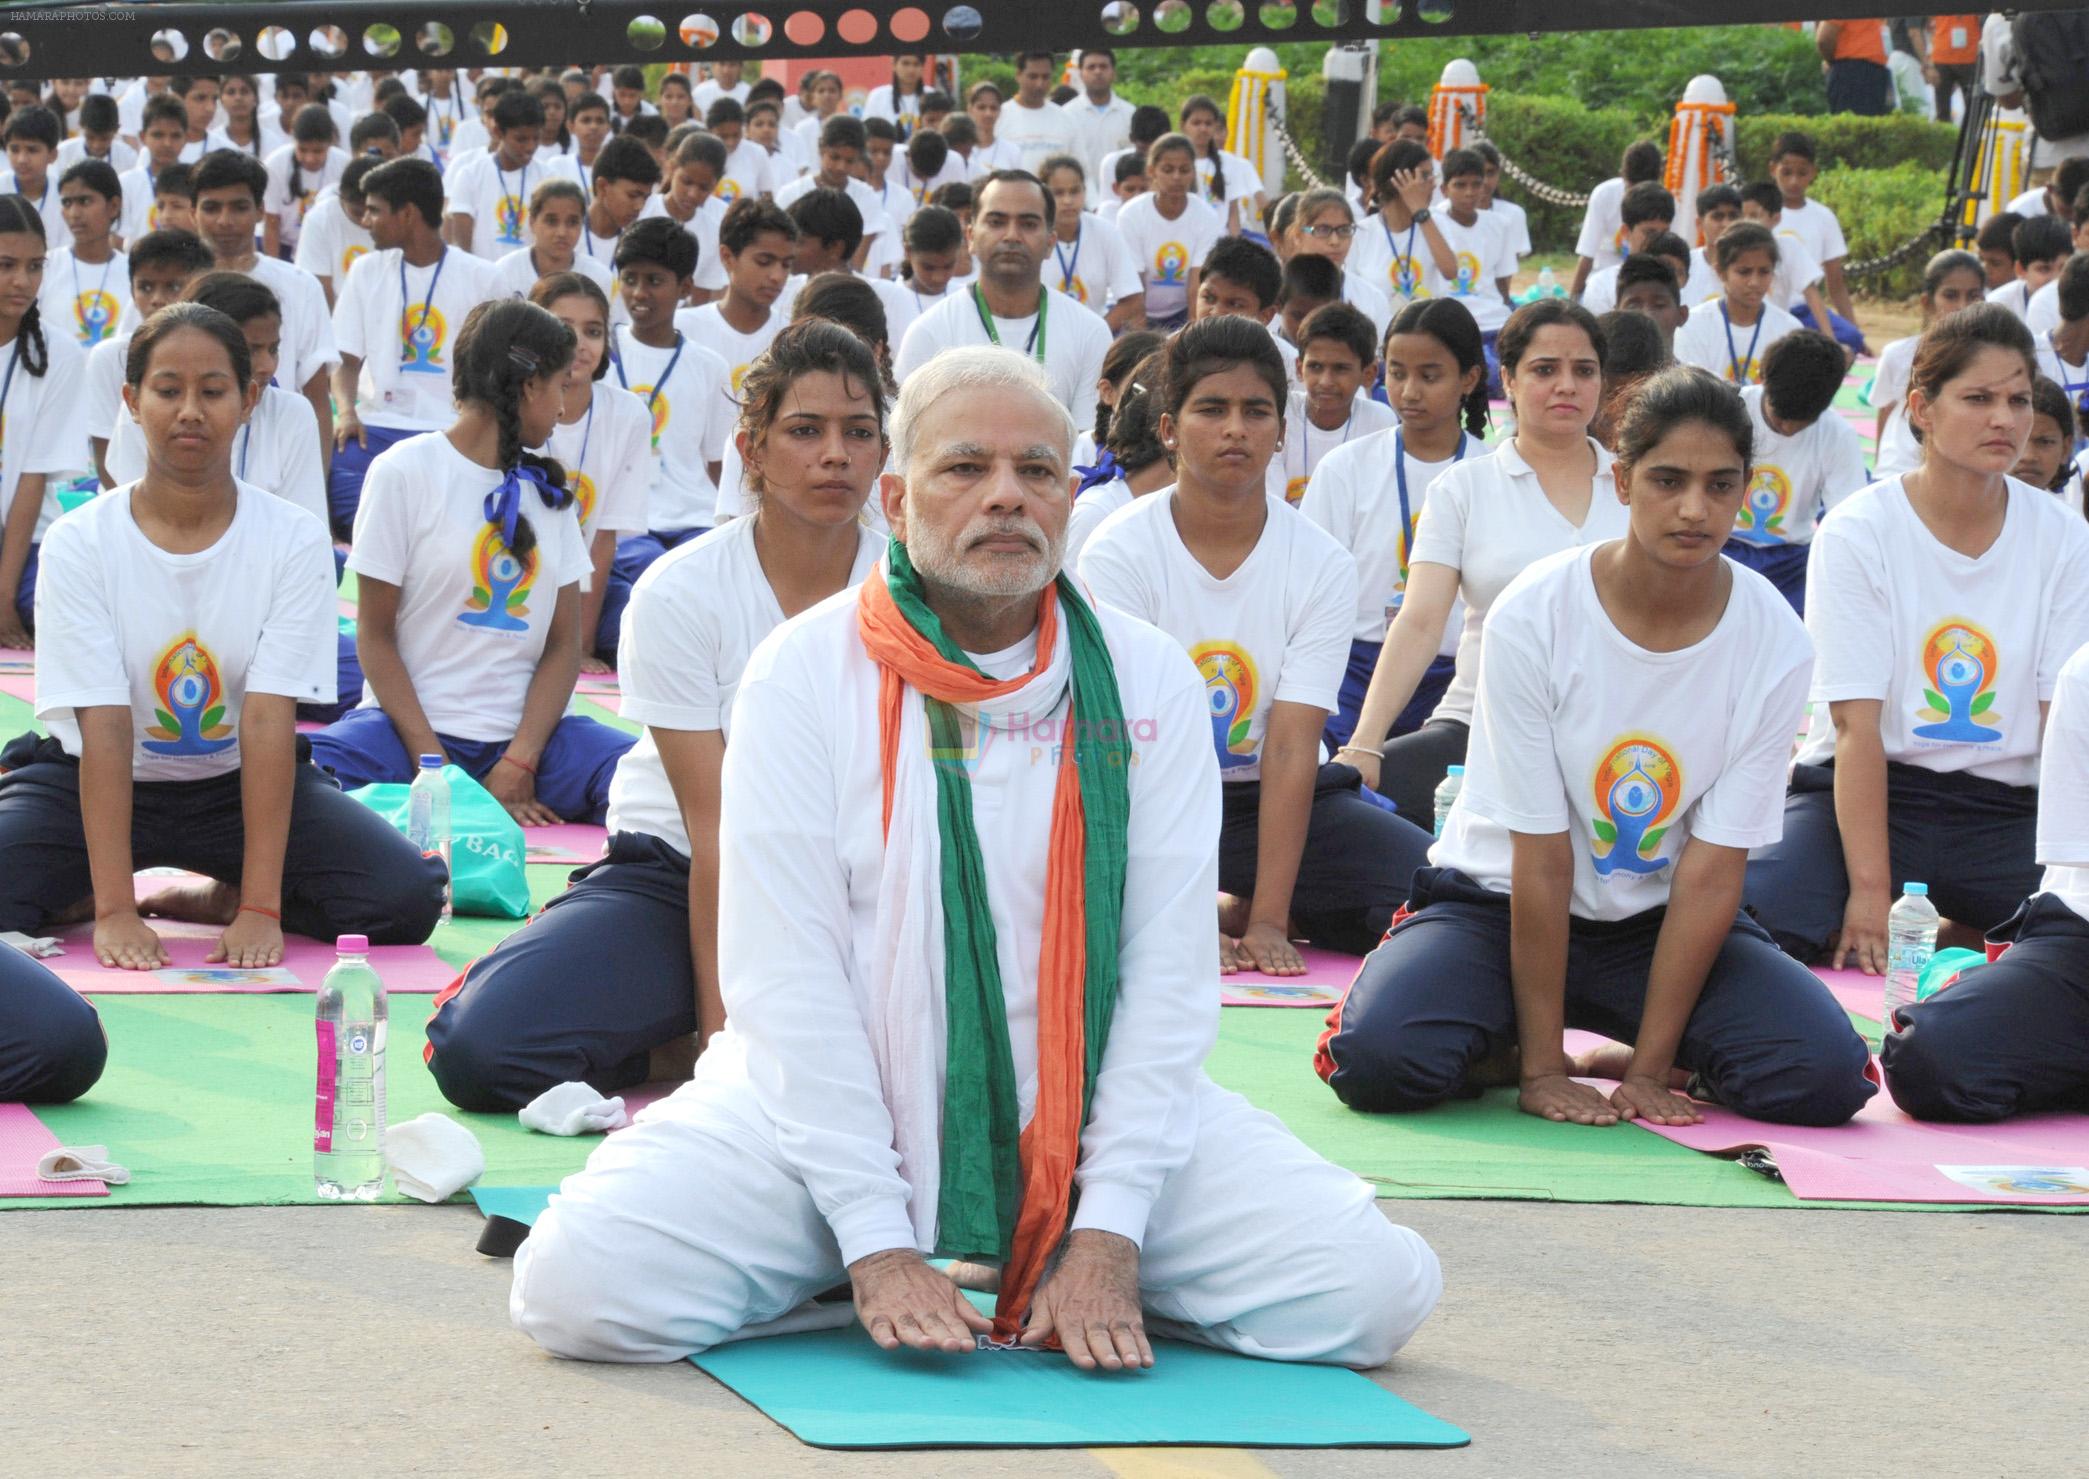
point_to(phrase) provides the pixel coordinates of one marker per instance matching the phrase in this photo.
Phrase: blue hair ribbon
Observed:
(1107, 469)
(504, 504)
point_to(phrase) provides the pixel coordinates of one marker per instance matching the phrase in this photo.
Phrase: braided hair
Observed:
(314, 124)
(1202, 104)
(1121, 360)
(1135, 430)
(503, 346)
(1451, 324)
(19, 217)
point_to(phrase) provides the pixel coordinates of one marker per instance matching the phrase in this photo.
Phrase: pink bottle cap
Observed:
(352, 945)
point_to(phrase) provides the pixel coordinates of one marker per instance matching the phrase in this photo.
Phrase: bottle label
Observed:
(323, 1105)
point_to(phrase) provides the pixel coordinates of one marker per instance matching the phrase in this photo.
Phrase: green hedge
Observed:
(1844, 140)
(1880, 209)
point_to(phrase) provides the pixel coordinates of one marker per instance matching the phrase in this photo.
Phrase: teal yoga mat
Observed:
(835, 1389)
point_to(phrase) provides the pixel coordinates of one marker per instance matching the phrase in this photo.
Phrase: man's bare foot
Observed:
(983, 1277)
(1233, 915)
(209, 902)
(1498, 1069)
(1614, 1060)
(672, 1062)
(1951, 935)
(79, 913)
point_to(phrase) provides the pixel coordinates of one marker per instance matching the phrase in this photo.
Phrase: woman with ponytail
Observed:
(812, 437)
(184, 615)
(1436, 381)
(1124, 355)
(1131, 461)
(469, 556)
(1227, 179)
(39, 387)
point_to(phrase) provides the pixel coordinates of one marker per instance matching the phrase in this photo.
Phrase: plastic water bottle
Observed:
(428, 818)
(1447, 794)
(348, 1129)
(1911, 939)
(1548, 284)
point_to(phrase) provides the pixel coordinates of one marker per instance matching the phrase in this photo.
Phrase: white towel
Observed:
(573, 1109)
(43, 947)
(81, 1163)
(433, 1157)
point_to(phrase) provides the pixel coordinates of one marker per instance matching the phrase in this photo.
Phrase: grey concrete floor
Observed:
(1614, 1341)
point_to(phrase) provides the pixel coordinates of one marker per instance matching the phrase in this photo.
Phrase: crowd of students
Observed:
(576, 378)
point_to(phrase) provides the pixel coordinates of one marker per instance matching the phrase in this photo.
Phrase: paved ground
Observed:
(1613, 1341)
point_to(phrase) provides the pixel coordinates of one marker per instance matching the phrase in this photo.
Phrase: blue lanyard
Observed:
(587, 433)
(1305, 446)
(246, 445)
(7, 383)
(1402, 257)
(1741, 367)
(1406, 516)
(1066, 268)
(583, 188)
(427, 303)
(523, 177)
(664, 376)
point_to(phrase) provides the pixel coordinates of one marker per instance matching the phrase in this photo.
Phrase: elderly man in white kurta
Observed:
(967, 861)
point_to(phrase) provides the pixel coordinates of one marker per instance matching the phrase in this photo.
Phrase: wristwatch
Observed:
(1421, 217)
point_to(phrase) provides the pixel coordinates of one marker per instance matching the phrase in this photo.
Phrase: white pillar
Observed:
(1252, 113)
(1459, 96)
(1704, 115)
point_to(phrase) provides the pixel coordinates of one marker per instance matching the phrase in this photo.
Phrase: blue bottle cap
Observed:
(431, 762)
(1919, 890)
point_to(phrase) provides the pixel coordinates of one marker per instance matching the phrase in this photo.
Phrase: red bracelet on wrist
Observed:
(274, 914)
(519, 764)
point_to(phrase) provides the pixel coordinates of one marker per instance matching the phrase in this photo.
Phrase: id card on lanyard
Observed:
(1399, 597)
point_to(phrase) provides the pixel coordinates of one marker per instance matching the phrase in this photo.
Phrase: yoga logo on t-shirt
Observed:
(500, 584)
(1638, 784)
(739, 374)
(728, 190)
(583, 488)
(1231, 686)
(1295, 489)
(421, 335)
(348, 256)
(94, 315)
(1468, 275)
(507, 220)
(1075, 288)
(191, 711)
(645, 392)
(1405, 275)
(1171, 264)
(1959, 662)
(1761, 517)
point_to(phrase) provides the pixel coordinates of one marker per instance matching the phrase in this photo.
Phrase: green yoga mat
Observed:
(835, 1389)
(1485, 1147)
(208, 1100)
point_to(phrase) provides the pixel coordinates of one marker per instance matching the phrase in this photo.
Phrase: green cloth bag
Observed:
(1945, 967)
(486, 847)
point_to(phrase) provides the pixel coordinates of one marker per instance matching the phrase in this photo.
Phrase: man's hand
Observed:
(516, 790)
(123, 941)
(903, 1302)
(1556, 1097)
(1090, 1300)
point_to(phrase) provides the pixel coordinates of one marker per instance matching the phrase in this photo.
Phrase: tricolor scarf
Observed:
(982, 1186)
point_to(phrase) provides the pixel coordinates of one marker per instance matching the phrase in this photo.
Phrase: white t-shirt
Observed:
(2014, 296)
(1101, 130)
(1797, 269)
(2072, 378)
(498, 200)
(38, 417)
(746, 174)
(1602, 238)
(45, 201)
(1516, 220)
(472, 618)
(1960, 652)
(100, 387)
(707, 326)
(1075, 341)
(1168, 251)
(1817, 226)
(693, 414)
(905, 303)
(868, 203)
(1091, 508)
(1242, 181)
(121, 156)
(1275, 630)
(1484, 256)
(1306, 445)
(89, 302)
(1631, 753)
(1365, 297)
(1735, 354)
(330, 242)
(1489, 520)
(1898, 451)
(2031, 203)
(1397, 263)
(1036, 134)
(708, 92)
(608, 461)
(308, 346)
(2042, 312)
(1797, 478)
(278, 202)
(406, 339)
(2063, 789)
(902, 109)
(445, 116)
(120, 621)
(696, 616)
(1354, 499)
(516, 274)
(1096, 268)
(277, 451)
(268, 137)
(140, 215)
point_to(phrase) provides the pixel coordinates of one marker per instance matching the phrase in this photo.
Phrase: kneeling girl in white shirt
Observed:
(811, 435)
(469, 557)
(1943, 603)
(1633, 721)
(182, 617)
(1264, 600)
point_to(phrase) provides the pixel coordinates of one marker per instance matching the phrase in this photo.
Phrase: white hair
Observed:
(972, 367)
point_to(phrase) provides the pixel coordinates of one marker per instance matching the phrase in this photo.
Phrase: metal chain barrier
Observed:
(1914, 247)
(1282, 118)
(1537, 188)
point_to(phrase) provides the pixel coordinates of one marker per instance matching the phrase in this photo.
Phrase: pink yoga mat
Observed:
(404, 969)
(18, 684)
(611, 699)
(593, 683)
(17, 660)
(1859, 993)
(24, 1140)
(1327, 976)
(1884, 1156)
(568, 842)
